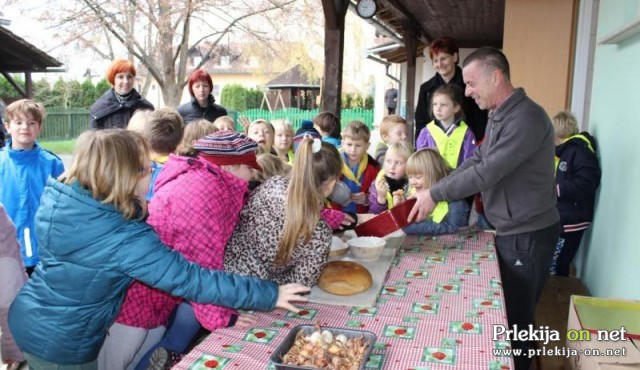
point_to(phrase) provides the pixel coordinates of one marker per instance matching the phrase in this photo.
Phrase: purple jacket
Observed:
(12, 278)
(426, 140)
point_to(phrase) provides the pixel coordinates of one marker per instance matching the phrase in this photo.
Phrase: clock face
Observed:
(366, 8)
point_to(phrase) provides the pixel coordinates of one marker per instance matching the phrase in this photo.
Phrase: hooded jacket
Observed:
(192, 111)
(90, 254)
(109, 112)
(196, 223)
(23, 175)
(577, 179)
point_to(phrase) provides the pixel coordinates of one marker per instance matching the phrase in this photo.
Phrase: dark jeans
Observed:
(566, 249)
(524, 265)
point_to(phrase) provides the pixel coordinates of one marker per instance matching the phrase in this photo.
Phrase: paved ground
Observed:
(66, 159)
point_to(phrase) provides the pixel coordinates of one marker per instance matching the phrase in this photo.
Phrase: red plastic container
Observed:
(388, 221)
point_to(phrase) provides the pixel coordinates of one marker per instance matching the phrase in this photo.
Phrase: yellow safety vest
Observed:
(441, 210)
(578, 136)
(449, 146)
(291, 156)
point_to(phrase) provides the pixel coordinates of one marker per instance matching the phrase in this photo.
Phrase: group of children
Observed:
(262, 205)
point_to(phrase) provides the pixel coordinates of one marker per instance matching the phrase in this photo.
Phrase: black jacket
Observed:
(475, 118)
(577, 178)
(108, 112)
(192, 111)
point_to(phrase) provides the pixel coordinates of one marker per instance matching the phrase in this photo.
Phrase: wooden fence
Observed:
(68, 123)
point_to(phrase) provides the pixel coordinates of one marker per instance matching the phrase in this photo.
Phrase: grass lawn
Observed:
(59, 146)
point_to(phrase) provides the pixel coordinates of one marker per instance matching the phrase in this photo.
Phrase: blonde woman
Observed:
(94, 244)
(280, 235)
(424, 168)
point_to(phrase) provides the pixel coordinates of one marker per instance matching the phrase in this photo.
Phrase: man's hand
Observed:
(423, 207)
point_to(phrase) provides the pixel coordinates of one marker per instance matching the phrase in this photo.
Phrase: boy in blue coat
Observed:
(577, 179)
(24, 170)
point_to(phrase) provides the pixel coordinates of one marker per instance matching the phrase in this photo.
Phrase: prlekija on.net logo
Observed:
(545, 335)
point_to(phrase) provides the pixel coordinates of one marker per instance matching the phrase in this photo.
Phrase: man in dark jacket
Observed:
(577, 179)
(513, 169)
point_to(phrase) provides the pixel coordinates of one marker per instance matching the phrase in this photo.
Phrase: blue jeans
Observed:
(179, 335)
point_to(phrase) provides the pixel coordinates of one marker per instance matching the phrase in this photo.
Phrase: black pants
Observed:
(391, 110)
(566, 249)
(524, 265)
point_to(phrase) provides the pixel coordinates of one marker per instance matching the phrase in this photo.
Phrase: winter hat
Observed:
(228, 148)
(306, 128)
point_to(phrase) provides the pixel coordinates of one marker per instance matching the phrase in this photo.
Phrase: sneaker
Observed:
(163, 359)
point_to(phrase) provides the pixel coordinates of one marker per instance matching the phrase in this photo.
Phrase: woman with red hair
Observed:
(444, 55)
(116, 106)
(202, 104)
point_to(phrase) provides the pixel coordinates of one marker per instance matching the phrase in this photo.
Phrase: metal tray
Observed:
(283, 348)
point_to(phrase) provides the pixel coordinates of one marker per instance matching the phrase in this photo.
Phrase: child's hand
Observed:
(381, 189)
(398, 197)
(359, 198)
(348, 220)
(291, 292)
(245, 320)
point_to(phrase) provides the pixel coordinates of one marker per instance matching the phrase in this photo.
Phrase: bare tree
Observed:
(159, 34)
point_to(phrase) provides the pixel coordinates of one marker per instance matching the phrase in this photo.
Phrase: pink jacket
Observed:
(194, 211)
(12, 277)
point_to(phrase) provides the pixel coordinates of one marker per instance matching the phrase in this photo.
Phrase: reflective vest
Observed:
(449, 146)
(441, 210)
(578, 136)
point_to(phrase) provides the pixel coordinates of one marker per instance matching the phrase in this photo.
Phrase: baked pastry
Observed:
(345, 278)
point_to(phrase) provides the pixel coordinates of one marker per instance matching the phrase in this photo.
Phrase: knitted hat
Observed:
(306, 128)
(228, 148)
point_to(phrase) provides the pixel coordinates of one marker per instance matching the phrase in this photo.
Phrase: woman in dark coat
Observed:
(444, 55)
(115, 107)
(202, 104)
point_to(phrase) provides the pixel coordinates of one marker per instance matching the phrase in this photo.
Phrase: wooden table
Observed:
(435, 311)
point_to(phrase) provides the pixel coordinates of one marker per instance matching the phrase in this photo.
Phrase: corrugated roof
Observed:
(17, 55)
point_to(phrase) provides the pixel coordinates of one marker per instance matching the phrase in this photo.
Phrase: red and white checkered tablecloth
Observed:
(436, 310)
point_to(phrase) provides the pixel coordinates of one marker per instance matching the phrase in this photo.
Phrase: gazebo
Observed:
(291, 89)
(19, 56)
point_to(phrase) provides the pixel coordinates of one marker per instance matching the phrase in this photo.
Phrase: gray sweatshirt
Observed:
(513, 169)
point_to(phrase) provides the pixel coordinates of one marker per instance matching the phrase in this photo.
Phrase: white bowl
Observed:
(367, 248)
(338, 247)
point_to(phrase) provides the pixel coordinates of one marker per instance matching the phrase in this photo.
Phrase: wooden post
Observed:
(28, 85)
(335, 12)
(411, 48)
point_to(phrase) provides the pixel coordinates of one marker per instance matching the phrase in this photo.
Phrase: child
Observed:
(225, 123)
(24, 170)
(447, 132)
(393, 129)
(577, 179)
(280, 235)
(261, 132)
(193, 131)
(12, 278)
(163, 129)
(271, 166)
(328, 125)
(197, 224)
(95, 245)
(306, 129)
(283, 140)
(359, 170)
(391, 185)
(424, 168)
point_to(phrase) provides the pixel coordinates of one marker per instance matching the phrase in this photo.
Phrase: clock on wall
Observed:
(366, 8)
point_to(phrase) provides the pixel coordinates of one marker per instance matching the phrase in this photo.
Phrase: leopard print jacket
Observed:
(254, 243)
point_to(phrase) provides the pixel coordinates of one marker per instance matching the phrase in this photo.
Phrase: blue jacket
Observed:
(457, 217)
(90, 254)
(23, 174)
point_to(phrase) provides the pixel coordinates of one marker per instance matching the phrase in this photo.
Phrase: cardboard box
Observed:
(591, 318)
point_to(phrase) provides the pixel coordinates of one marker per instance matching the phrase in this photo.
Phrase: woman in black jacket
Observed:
(115, 107)
(202, 104)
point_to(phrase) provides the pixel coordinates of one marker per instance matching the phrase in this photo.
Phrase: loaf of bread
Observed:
(345, 278)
